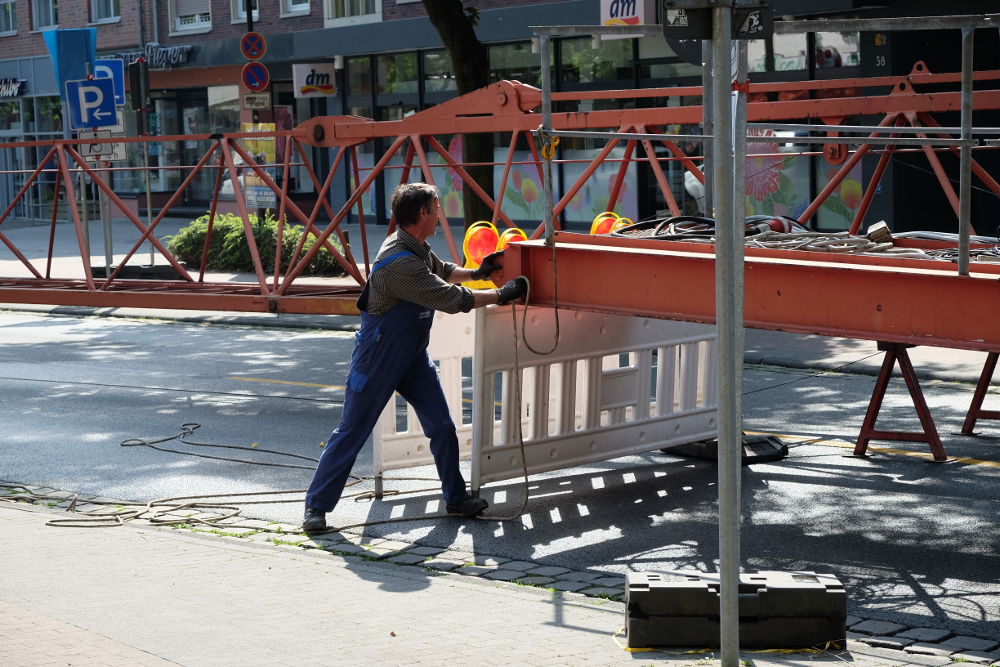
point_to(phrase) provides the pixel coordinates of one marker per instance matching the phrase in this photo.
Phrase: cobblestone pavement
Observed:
(251, 592)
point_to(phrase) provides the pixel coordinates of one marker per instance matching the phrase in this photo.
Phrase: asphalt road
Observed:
(915, 542)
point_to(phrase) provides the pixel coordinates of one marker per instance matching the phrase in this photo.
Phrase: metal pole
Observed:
(728, 320)
(543, 51)
(149, 194)
(965, 156)
(706, 109)
(105, 210)
(84, 206)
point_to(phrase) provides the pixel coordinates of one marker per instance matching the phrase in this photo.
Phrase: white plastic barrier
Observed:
(400, 442)
(614, 385)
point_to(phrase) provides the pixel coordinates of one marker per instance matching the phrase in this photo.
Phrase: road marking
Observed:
(881, 450)
(312, 384)
(297, 384)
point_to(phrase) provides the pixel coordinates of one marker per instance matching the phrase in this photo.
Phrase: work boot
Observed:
(468, 507)
(314, 521)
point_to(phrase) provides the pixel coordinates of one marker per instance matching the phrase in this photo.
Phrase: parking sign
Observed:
(91, 103)
(114, 69)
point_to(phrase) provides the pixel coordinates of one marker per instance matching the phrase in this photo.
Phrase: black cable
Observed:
(812, 375)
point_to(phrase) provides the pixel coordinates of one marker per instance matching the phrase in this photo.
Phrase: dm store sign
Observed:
(626, 12)
(314, 79)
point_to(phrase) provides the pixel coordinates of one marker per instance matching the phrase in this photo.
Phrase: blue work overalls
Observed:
(390, 354)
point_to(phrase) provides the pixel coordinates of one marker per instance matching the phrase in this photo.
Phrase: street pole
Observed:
(729, 322)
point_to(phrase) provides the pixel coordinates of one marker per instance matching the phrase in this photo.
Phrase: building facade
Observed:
(385, 60)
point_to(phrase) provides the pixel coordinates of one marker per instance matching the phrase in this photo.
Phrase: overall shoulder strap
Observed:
(385, 260)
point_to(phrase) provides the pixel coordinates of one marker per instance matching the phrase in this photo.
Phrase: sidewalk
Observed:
(140, 595)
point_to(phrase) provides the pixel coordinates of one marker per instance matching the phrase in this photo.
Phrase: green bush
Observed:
(229, 250)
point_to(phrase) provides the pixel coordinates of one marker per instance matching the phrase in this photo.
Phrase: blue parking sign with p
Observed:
(114, 69)
(91, 103)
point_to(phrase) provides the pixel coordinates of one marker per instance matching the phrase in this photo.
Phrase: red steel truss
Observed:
(899, 302)
(502, 107)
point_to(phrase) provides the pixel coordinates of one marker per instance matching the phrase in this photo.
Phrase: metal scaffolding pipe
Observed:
(729, 320)
(965, 156)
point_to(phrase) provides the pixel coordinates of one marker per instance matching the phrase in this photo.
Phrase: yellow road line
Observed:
(310, 384)
(297, 384)
(881, 450)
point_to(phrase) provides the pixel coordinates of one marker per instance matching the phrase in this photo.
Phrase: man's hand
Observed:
(512, 291)
(488, 266)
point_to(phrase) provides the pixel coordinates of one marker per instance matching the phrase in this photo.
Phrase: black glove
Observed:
(488, 266)
(512, 291)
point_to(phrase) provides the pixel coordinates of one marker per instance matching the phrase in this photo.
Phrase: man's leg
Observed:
(361, 411)
(421, 388)
(370, 383)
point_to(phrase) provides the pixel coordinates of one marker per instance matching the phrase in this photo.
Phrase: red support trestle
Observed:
(897, 352)
(975, 408)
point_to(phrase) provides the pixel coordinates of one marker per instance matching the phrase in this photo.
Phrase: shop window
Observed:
(359, 76)
(782, 53)
(397, 73)
(837, 49)
(515, 62)
(10, 116)
(349, 12)
(191, 15)
(104, 10)
(239, 10)
(438, 73)
(44, 13)
(582, 63)
(224, 108)
(8, 17)
(49, 114)
(294, 7)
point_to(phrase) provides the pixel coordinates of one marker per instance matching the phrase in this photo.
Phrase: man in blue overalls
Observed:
(406, 284)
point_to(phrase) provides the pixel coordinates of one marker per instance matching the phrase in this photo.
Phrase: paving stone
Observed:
(346, 548)
(601, 592)
(856, 635)
(963, 643)
(896, 642)
(503, 575)
(548, 571)
(408, 559)
(475, 570)
(877, 628)
(926, 648)
(536, 581)
(580, 576)
(425, 551)
(852, 620)
(931, 635)
(610, 582)
(569, 586)
(978, 657)
(520, 565)
(442, 564)
(488, 560)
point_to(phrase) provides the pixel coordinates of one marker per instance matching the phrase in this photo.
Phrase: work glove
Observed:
(488, 266)
(512, 291)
